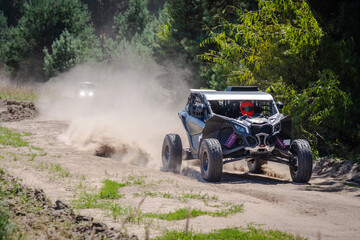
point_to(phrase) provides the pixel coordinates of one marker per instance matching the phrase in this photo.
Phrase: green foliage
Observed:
(12, 10)
(183, 212)
(129, 212)
(136, 35)
(3, 31)
(281, 48)
(180, 34)
(11, 138)
(188, 24)
(66, 52)
(133, 21)
(230, 233)
(18, 92)
(110, 190)
(3, 22)
(177, 215)
(278, 40)
(87, 201)
(8, 228)
(43, 22)
(54, 168)
(322, 112)
(102, 14)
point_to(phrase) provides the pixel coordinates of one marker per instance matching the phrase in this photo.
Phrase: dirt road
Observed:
(323, 209)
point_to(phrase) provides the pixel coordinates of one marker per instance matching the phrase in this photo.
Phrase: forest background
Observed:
(304, 52)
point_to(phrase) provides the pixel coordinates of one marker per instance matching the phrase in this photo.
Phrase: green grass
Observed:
(146, 193)
(87, 201)
(167, 195)
(13, 155)
(32, 156)
(182, 213)
(130, 213)
(199, 196)
(18, 92)
(181, 197)
(54, 168)
(110, 189)
(250, 233)
(11, 138)
(37, 148)
(135, 180)
(177, 215)
(8, 228)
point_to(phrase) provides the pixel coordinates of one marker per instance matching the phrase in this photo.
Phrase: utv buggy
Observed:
(86, 89)
(241, 123)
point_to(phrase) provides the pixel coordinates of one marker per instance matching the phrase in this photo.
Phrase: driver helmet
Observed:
(247, 108)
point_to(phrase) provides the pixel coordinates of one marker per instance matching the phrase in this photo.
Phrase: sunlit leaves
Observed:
(264, 44)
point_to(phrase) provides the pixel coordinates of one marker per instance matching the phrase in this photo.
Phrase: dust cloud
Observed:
(133, 107)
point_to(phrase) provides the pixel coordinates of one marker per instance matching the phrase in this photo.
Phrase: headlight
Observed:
(240, 129)
(91, 94)
(82, 93)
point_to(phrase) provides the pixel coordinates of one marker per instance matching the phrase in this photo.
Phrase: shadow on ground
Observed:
(236, 178)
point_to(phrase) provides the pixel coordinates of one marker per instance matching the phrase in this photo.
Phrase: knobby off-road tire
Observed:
(301, 169)
(211, 160)
(172, 153)
(255, 165)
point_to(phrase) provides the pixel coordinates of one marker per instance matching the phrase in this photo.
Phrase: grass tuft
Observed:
(11, 138)
(182, 213)
(54, 168)
(87, 201)
(199, 196)
(249, 233)
(110, 189)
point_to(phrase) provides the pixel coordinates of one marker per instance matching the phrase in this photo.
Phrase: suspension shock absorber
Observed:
(231, 140)
(280, 143)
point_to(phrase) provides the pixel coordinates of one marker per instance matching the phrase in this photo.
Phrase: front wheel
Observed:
(255, 165)
(211, 160)
(301, 164)
(172, 153)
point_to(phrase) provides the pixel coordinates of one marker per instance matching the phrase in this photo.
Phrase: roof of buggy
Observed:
(235, 95)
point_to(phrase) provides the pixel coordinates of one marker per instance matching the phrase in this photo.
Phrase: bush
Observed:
(65, 53)
(133, 20)
(41, 25)
(279, 40)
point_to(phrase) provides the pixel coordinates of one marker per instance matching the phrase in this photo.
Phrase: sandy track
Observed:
(323, 209)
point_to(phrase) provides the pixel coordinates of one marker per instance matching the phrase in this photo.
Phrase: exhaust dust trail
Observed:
(131, 111)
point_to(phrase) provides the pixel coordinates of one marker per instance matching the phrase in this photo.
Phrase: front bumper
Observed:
(262, 146)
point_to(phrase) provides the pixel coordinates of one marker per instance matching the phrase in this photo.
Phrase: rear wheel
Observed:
(211, 160)
(255, 165)
(301, 165)
(172, 153)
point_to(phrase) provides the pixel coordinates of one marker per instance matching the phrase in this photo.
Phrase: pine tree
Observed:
(133, 20)
(43, 22)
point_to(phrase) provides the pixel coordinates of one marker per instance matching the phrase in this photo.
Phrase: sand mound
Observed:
(12, 110)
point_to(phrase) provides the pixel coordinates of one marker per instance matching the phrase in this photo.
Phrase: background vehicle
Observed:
(86, 89)
(219, 133)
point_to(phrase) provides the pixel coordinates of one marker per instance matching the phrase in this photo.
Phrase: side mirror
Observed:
(280, 106)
